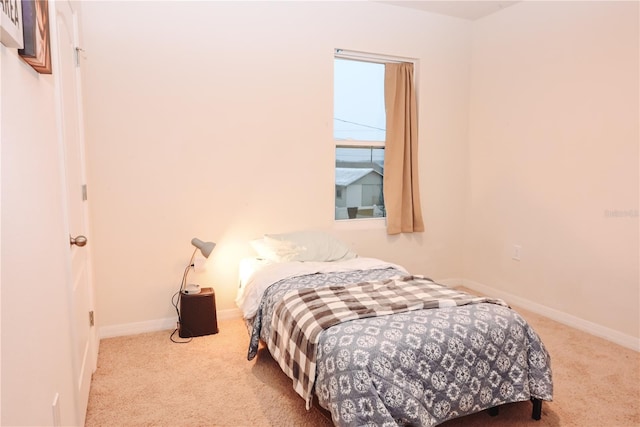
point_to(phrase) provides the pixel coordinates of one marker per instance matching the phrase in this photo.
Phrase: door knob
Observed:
(78, 241)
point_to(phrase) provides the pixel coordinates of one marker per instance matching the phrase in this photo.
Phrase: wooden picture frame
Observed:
(37, 44)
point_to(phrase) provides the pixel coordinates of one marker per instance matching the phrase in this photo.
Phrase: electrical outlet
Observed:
(517, 252)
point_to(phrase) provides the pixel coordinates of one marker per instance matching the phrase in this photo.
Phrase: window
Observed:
(359, 133)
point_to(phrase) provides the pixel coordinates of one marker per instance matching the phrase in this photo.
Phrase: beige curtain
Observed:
(401, 190)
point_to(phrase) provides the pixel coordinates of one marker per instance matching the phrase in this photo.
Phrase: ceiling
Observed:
(470, 10)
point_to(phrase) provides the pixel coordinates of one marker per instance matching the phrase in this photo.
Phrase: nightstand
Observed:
(198, 314)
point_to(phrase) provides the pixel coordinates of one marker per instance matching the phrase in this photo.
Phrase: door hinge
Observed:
(91, 319)
(84, 192)
(78, 50)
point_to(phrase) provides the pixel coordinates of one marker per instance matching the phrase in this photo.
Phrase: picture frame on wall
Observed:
(11, 23)
(37, 44)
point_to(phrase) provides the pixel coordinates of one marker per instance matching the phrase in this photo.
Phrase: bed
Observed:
(379, 346)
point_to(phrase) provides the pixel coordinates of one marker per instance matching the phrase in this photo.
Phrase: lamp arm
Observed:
(186, 270)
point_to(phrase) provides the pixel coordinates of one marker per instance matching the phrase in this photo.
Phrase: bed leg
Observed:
(536, 414)
(493, 411)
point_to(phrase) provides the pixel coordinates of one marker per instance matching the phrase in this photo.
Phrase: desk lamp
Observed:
(205, 248)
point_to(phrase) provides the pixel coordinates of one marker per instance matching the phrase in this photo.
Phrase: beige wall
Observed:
(36, 327)
(214, 119)
(553, 155)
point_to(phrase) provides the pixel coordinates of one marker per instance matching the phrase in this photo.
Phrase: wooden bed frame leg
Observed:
(536, 414)
(493, 411)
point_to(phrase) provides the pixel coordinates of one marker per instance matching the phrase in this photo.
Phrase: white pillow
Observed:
(311, 246)
(274, 250)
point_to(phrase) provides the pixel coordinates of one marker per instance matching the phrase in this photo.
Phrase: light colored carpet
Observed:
(146, 380)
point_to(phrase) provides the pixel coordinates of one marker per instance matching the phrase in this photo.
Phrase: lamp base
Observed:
(191, 289)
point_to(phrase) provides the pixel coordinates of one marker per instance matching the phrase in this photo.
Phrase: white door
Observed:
(67, 78)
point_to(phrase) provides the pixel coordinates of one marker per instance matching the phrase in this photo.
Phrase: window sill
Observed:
(360, 224)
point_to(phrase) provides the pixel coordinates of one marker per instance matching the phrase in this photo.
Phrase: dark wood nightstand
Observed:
(198, 314)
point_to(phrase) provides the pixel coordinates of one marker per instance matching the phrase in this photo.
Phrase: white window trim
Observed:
(360, 224)
(370, 57)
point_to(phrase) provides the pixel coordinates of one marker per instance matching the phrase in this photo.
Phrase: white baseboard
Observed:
(156, 325)
(566, 319)
(609, 334)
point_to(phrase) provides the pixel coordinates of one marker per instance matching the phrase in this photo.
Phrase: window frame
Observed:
(348, 143)
(376, 222)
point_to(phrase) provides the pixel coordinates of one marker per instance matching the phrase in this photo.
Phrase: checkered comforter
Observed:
(420, 367)
(303, 314)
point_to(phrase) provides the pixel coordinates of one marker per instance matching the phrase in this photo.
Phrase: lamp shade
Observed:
(205, 247)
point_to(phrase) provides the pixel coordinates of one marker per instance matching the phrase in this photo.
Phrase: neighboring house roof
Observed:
(347, 176)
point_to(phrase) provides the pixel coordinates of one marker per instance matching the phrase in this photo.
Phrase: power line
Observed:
(358, 124)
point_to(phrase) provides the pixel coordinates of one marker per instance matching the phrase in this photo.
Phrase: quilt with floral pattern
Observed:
(417, 367)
